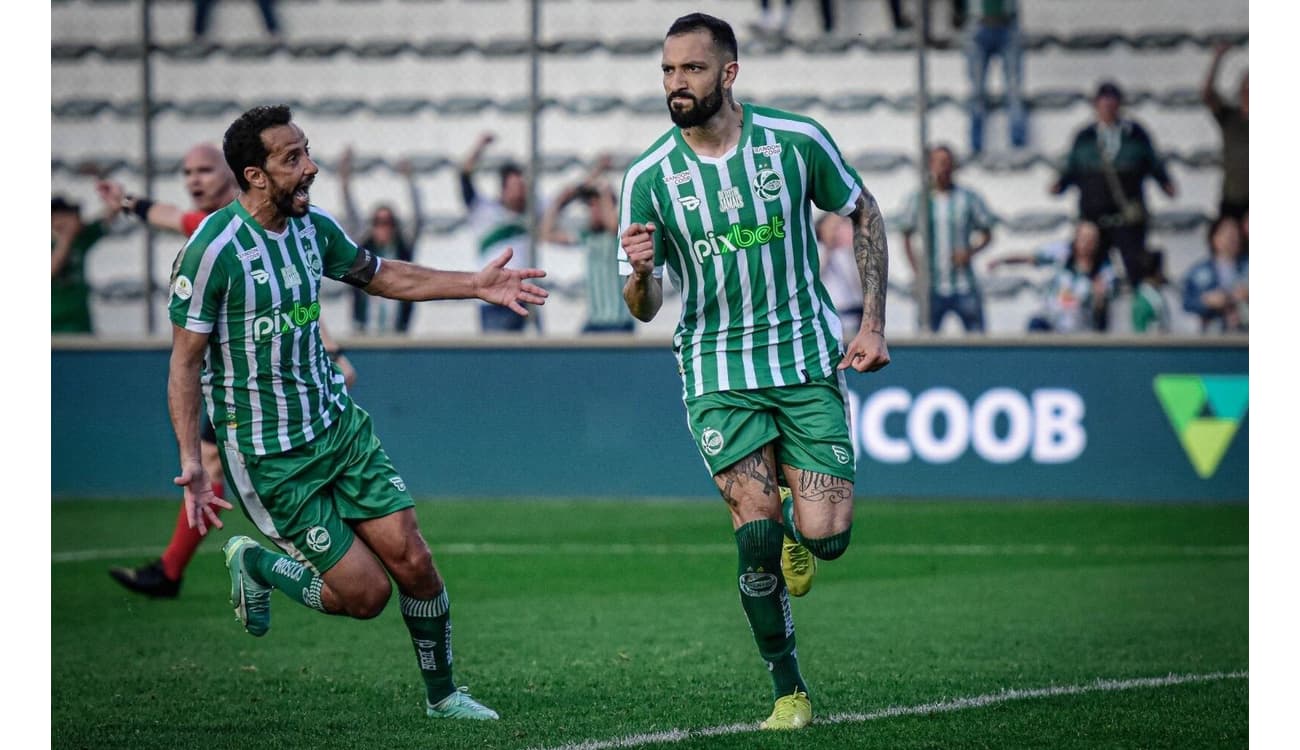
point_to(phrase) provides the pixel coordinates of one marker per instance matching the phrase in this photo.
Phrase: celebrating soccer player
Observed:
(299, 454)
(724, 201)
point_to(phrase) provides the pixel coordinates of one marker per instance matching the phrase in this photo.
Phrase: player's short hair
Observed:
(724, 38)
(242, 144)
(947, 150)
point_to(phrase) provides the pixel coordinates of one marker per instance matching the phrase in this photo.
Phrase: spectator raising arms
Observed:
(384, 237)
(1234, 122)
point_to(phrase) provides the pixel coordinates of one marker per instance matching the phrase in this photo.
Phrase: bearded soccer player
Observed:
(211, 186)
(724, 200)
(299, 454)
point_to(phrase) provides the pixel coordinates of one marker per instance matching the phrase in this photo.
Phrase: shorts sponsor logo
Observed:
(689, 202)
(730, 199)
(768, 184)
(680, 178)
(318, 538)
(841, 454)
(183, 288)
(398, 483)
(711, 441)
(757, 583)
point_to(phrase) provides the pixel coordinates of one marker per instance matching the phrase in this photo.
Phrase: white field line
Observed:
(937, 707)
(883, 550)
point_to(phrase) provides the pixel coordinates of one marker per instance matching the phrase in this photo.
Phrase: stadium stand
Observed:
(421, 78)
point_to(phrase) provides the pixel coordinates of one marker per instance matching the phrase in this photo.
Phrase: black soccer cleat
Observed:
(148, 579)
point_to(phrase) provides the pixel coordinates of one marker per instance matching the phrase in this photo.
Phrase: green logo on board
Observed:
(1205, 412)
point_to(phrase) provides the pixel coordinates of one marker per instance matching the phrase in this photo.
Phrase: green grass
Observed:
(573, 639)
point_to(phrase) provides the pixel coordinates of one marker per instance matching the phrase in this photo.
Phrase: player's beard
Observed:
(284, 199)
(699, 114)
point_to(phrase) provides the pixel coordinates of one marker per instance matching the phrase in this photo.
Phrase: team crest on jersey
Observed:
(183, 289)
(730, 199)
(689, 202)
(768, 184)
(680, 178)
(768, 149)
(291, 276)
(313, 262)
(260, 275)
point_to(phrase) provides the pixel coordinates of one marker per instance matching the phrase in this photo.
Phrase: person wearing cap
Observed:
(1109, 162)
(498, 224)
(71, 239)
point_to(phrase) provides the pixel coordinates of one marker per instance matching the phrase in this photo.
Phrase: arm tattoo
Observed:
(816, 488)
(751, 468)
(872, 255)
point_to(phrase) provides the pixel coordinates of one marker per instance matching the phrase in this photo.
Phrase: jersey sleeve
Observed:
(908, 218)
(338, 251)
(981, 218)
(833, 185)
(199, 284)
(637, 206)
(190, 221)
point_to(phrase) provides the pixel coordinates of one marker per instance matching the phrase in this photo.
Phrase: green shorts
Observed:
(303, 499)
(809, 423)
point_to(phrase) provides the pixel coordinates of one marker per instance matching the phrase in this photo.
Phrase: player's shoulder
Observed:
(650, 157)
(786, 124)
(319, 217)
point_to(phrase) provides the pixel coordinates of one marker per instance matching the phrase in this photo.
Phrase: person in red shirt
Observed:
(211, 185)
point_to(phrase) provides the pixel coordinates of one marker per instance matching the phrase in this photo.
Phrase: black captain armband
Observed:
(362, 271)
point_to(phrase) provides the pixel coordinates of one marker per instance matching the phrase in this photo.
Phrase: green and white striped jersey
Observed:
(955, 216)
(736, 235)
(268, 384)
(605, 305)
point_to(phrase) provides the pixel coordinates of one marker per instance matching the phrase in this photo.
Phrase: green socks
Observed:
(766, 604)
(429, 621)
(284, 573)
(826, 548)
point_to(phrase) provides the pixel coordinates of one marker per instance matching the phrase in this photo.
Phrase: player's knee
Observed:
(829, 547)
(370, 602)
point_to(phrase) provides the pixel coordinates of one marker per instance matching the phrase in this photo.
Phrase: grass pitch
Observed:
(594, 621)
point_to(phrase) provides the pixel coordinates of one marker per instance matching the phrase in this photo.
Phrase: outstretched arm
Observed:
(867, 351)
(155, 213)
(1209, 94)
(507, 287)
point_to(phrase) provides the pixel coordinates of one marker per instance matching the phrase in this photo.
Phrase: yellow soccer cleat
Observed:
(797, 564)
(792, 711)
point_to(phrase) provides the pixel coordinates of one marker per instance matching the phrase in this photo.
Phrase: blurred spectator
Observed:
(203, 11)
(384, 237)
(839, 269)
(1234, 122)
(1108, 162)
(1217, 289)
(499, 224)
(71, 239)
(208, 180)
(772, 24)
(961, 226)
(598, 236)
(1078, 294)
(995, 32)
(1150, 308)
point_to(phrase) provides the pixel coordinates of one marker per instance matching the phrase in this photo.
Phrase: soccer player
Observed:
(300, 455)
(724, 202)
(211, 185)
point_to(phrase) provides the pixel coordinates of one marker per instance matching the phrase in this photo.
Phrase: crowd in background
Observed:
(1105, 257)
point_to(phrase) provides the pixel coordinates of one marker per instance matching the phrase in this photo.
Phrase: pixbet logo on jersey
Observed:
(738, 238)
(283, 321)
(1047, 425)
